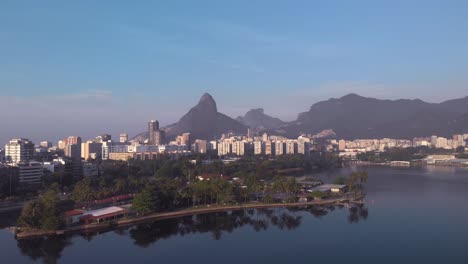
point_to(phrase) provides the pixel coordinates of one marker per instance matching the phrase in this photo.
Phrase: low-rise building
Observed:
(330, 188)
(103, 215)
(433, 159)
(30, 173)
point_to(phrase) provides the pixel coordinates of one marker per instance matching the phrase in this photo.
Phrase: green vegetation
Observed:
(340, 180)
(317, 195)
(8, 183)
(146, 201)
(356, 181)
(167, 184)
(43, 214)
(462, 156)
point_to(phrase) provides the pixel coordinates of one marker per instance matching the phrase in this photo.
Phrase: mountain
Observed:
(355, 116)
(203, 121)
(257, 119)
(456, 105)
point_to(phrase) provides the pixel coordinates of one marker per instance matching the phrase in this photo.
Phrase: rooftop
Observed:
(105, 211)
(327, 187)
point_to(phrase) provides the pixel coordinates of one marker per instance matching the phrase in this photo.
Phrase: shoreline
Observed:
(175, 214)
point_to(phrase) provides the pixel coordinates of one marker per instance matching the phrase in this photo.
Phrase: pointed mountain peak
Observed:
(206, 104)
(206, 98)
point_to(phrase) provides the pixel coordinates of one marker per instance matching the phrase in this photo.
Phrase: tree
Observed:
(50, 218)
(31, 215)
(356, 181)
(340, 180)
(145, 201)
(83, 191)
(43, 214)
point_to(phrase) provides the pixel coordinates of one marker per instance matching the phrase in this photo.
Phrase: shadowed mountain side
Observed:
(257, 119)
(203, 121)
(354, 116)
(350, 117)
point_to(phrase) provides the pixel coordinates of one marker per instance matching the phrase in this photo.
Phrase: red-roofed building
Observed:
(73, 216)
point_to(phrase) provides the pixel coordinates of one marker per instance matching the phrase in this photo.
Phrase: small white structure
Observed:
(334, 188)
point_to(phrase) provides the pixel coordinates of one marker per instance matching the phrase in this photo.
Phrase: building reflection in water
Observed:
(218, 224)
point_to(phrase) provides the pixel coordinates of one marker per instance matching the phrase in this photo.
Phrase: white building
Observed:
(258, 148)
(18, 150)
(113, 147)
(441, 142)
(291, 147)
(280, 148)
(224, 148)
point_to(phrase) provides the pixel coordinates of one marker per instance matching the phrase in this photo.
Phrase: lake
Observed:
(410, 216)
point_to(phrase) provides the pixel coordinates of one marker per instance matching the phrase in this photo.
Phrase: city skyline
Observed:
(115, 132)
(115, 70)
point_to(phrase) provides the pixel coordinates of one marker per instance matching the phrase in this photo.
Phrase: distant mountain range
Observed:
(257, 119)
(353, 116)
(350, 117)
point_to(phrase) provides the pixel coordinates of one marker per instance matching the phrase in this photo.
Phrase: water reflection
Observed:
(49, 249)
(358, 213)
(218, 224)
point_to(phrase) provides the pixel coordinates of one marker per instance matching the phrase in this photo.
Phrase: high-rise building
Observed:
(18, 150)
(441, 142)
(72, 140)
(280, 148)
(341, 145)
(185, 139)
(200, 146)
(153, 126)
(91, 149)
(45, 144)
(105, 137)
(303, 146)
(73, 151)
(264, 137)
(249, 133)
(241, 147)
(224, 148)
(433, 141)
(123, 137)
(291, 147)
(2, 155)
(155, 135)
(61, 144)
(270, 148)
(458, 138)
(259, 148)
(213, 145)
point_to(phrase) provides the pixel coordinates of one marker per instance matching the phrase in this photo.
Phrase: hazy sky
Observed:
(89, 67)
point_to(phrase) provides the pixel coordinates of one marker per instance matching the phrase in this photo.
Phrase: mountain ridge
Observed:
(258, 120)
(355, 116)
(350, 116)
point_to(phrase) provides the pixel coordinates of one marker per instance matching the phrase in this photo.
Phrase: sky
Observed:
(91, 67)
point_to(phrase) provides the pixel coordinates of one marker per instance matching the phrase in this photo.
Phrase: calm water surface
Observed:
(410, 216)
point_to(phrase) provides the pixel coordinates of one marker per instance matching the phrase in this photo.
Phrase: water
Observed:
(410, 216)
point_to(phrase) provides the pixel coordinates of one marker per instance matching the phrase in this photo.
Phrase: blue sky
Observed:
(90, 67)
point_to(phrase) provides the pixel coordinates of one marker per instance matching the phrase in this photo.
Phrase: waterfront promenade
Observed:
(180, 213)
